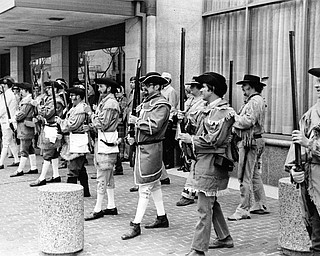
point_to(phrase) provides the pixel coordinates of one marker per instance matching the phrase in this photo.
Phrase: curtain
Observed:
(314, 51)
(269, 56)
(225, 41)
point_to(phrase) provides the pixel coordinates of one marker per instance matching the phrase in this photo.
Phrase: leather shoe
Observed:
(184, 201)
(134, 189)
(224, 243)
(1, 166)
(113, 211)
(134, 231)
(194, 252)
(52, 180)
(94, 215)
(63, 165)
(35, 171)
(13, 164)
(166, 181)
(160, 222)
(38, 183)
(16, 174)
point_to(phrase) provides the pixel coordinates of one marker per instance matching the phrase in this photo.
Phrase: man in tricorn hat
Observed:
(25, 130)
(309, 138)
(49, 135)
(105, 121)
(249, 127)
(8, 102)
(210, 143)
(76, 138)
(150, 130)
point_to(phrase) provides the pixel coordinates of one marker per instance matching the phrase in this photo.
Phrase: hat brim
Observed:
(76, 90)
(153, 79)
(250, 82)
(107, 82)
(314, 71)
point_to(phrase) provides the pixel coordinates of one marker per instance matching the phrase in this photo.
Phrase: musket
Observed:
(136, 97)
(181, 125)
(230, 81)
(86, 83)
(297, 147)
(54, 98)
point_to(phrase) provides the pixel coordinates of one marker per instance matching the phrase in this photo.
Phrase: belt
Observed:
(149, 142)
(68, 133)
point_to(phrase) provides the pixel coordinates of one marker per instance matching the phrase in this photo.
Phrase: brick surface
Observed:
(19, 221)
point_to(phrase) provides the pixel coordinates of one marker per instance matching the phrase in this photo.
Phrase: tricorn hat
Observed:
(153, 78)
(193, 82)
(107, 81)
(54, 84)
(314, 72)
(77, 89)
(252, 80)
(7, 80)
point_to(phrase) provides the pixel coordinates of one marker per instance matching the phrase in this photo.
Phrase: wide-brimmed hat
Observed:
(25, 86)
(107, 81)
(315, 72)
(54, 84)
(154, 78)
(62, 82)
(213, 79)
(252, 80)
(77, 89)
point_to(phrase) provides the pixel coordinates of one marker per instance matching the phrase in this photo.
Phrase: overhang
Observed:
(27, 22)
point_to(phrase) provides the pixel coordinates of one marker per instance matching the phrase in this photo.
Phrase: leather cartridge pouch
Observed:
(223, 162)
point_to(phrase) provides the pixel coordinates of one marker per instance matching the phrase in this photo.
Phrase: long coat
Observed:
(150, 128)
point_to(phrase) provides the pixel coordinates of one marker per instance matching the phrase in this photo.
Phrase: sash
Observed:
(110, 138)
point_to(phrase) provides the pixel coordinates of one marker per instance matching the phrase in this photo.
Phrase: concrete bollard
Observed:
(293, 236)
(61, 219)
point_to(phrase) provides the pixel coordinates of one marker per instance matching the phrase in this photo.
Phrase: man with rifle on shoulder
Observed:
(9, 106)
(150, 127)
(50, 135)
(308, 136)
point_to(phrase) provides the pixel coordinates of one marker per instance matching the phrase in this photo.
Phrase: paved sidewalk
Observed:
(19, 221)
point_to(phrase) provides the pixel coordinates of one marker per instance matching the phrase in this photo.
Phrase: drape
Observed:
(268, 54)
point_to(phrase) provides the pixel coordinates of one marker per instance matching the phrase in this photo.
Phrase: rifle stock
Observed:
(136, 97)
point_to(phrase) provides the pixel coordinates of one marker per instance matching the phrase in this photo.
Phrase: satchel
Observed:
(79, 143)
(105, 138)
(224, 163)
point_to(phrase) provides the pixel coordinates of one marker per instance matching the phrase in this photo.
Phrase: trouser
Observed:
(188, 190)
(314, 220)
(249, 172)
(49, 154)
(209, 212)
(26, 147)
(8, 143)
(105, 177)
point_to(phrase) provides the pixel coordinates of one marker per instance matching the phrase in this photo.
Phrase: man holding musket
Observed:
(210, 144)
(105, 122)
(9, 106)
(76, 138)
(249, 127)
(150, 128)
(309, 138)
(50, 135)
